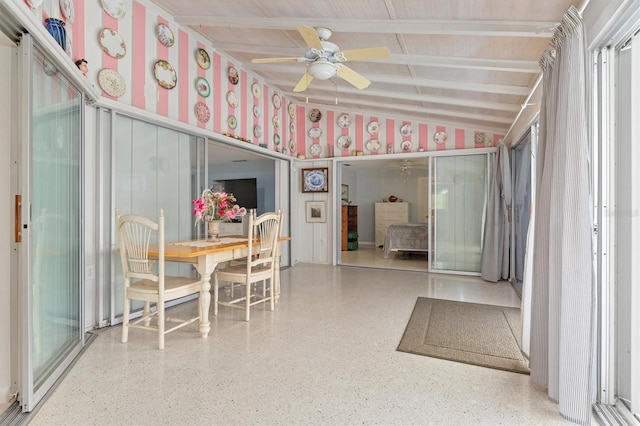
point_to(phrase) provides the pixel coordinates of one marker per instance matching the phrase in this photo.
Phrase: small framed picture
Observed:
(316, 211)
(315, 180)
(345, 193)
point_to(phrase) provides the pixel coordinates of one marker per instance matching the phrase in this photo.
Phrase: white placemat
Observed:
(206, 243)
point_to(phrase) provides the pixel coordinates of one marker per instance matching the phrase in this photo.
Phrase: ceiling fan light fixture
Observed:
(322, 70)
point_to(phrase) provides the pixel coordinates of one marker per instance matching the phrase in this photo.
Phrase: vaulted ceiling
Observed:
(469, 63)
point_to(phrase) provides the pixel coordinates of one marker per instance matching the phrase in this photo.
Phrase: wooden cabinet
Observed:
(349, 228)
(385, 215)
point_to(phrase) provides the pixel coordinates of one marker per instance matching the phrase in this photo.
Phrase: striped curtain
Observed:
(563, 287)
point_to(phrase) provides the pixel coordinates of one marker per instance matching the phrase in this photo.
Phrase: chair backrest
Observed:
(266, 229)
(134, 236)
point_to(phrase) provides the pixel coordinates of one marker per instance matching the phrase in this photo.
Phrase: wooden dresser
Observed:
(385, 215)
(349, 228)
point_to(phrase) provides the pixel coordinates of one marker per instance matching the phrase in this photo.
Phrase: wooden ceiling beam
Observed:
(544, 29)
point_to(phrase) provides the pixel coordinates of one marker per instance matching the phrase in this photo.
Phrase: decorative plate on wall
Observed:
(344, 120)
(203, 87)
(440, 137)
(111, 82)
(34, 4)
(165, 74)
(373, 127)
(405, 130)
(277, 102)
(315, 149)
(112, 43)
(203, 59)
(406, 146)
(202, 112)
(292, 146)
(257, 131)
(372, 145)
(232, 121)
(66, 7)
(292, 127)
(276, 121)
(315, 132)
(344, 142)
(114, 8)
(315, 115)
(276, 139)
(165, 35)
(68, 46)
(292, 110)
(256, 90)
(257, 112)
(233, 76)
(232, 99)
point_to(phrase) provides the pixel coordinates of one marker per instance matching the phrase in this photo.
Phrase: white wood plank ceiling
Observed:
(468, 63)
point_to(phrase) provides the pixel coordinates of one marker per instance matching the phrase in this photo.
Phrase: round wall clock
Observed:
(344, 120)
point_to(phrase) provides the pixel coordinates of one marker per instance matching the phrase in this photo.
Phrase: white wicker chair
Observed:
(264, 231)
(141, 283)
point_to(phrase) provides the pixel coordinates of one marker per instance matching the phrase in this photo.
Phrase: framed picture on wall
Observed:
(345, 193)
(315, 180)
(316, 211)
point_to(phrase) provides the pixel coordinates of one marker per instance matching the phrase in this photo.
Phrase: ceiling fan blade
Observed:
(353, 77)
(303, 83)
(271, 60)
(366, 53)
(310, 37)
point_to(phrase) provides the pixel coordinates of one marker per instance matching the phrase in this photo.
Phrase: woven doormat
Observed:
(472, 333)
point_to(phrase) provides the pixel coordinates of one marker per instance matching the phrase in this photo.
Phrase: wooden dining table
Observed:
(205, 255)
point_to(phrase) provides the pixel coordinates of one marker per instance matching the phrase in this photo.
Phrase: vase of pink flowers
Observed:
(215, 207)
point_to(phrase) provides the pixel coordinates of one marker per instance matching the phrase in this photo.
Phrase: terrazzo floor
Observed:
(327, 355)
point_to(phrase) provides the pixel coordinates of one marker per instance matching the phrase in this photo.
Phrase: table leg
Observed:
(205, 301)
(206, 266)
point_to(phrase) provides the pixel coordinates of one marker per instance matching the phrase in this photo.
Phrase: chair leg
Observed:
(160, 310)
(247, 301)
(272, 296)
(125, 319)
(146, 312)
(215, 295)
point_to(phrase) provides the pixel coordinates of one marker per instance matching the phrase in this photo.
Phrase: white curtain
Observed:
(563, 293)
(497, 233)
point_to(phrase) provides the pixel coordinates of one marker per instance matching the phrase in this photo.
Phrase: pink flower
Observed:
(216, 206)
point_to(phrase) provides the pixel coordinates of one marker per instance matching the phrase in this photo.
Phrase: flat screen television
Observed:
(245, 191)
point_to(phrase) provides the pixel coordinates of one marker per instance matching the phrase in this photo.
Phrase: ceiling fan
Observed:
(326, 59)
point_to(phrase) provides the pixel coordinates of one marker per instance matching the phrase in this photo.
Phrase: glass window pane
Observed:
(458, 202)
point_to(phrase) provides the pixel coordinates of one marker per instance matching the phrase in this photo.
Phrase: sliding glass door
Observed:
(50, 255)
(458, 203)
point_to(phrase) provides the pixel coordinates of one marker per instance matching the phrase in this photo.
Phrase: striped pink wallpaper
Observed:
(137, 28)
